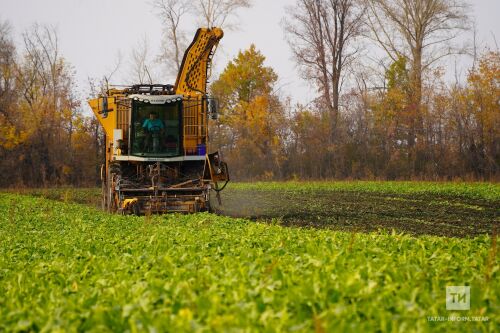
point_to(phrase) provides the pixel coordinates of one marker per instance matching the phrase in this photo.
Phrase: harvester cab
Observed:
(157, 140)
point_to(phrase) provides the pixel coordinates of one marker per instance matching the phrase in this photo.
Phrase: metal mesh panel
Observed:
(194, 122)
(123, 106)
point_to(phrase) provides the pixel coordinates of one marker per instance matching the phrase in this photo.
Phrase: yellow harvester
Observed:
(157, 140)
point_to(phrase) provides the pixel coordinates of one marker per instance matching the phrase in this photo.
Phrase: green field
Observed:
(69, 267)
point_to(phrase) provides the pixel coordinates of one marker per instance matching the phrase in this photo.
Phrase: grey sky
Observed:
(91, 33)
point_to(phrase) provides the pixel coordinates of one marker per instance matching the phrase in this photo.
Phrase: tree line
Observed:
(374, 135)
(45, 139)
(383, 108)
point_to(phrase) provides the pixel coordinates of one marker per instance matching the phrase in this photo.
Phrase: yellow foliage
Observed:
(483, 94)
(66, 170)
(251, 116)
(10, 136)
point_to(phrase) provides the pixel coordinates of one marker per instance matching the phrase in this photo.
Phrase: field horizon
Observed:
(454, 209)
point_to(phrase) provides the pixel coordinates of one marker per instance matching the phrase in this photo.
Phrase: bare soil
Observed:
(427, 214)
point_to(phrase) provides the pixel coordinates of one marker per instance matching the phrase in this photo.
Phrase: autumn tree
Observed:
(421, 31)
(391, 119)
(43, 145)
(48, 106)
(306, 150)
(323, 37)
(483, 99)
(251, 120)
(10, 135)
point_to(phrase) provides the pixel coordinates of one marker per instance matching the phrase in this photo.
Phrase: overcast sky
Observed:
(92, 32)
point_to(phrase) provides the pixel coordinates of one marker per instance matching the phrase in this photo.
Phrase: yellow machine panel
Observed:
(192, 79)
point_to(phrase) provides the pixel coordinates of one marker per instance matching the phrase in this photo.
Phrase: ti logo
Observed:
(457, 297)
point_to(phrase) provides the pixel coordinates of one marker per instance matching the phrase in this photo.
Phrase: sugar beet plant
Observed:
(69, 267)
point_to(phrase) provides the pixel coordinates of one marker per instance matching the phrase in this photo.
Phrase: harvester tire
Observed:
(136, 210)
(211, 208)
(104, 201)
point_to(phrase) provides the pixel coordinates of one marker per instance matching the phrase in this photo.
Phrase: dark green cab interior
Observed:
(156, 129)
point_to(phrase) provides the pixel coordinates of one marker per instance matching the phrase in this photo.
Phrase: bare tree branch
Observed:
(216, 13)
(322, 35)
(141, 63)
(171, 13)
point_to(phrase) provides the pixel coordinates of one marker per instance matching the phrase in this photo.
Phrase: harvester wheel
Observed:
(104, 201)
(208, 206)
(111, 199)
(110, 196)
(211, 207)
(136, 210)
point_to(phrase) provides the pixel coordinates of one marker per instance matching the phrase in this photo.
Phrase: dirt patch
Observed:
(427, 214)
